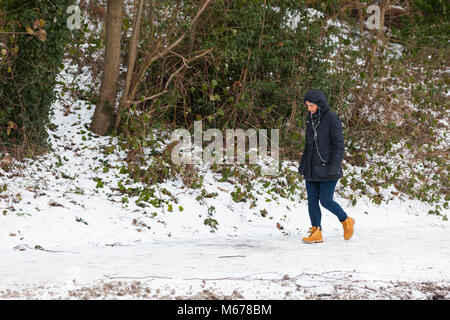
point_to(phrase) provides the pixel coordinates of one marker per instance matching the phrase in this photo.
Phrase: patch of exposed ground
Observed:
(202, 291)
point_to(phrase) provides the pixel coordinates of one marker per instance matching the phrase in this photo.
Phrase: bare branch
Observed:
(148, 98)
(155, 55)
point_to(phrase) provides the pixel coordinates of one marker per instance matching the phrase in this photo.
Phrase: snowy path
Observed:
(267, 267)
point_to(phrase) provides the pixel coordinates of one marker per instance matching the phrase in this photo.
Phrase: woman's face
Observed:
(312, 107)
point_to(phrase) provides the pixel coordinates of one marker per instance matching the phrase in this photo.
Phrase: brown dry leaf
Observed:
(279, 226)
(54, 204)
(36, 24)
(42, 35)
(6, 161)
(12, 234)
(29, 30)
(11, 125)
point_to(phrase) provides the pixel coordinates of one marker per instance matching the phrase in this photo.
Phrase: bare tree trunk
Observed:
(108, 90)
(124, 103)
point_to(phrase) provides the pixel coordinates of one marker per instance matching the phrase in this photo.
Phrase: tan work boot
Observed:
(348, 227)
(315, 236)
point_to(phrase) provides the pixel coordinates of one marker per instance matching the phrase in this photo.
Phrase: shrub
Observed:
(33, 43)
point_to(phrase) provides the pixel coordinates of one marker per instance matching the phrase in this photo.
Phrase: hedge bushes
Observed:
(260, 66)
(32, 42)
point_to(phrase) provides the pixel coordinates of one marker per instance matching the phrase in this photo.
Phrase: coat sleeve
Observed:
(302, 161)
(305, 149)
(337, 146)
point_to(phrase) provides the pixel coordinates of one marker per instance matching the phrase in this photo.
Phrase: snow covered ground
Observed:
(63, 237)
(397, 248)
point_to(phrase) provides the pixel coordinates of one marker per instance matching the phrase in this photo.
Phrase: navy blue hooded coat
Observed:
(323, 164)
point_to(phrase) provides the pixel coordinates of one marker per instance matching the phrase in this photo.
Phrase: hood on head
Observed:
(319, 98)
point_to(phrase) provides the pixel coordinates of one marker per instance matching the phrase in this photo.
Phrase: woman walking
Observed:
(321, 164)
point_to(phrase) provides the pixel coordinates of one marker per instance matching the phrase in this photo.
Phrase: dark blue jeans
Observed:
(322, 191)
